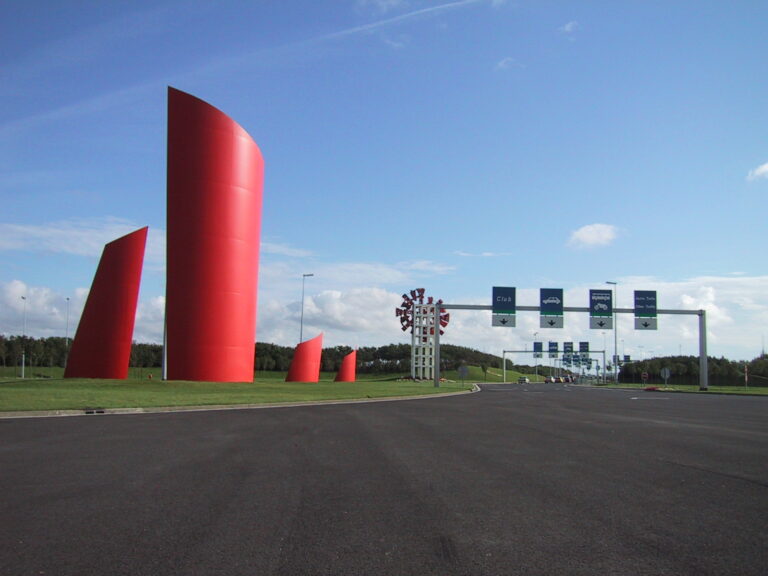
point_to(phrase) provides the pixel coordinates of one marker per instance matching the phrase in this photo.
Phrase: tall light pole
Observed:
(301, 324)
(66, 337)
(615, 332)
(23, 338)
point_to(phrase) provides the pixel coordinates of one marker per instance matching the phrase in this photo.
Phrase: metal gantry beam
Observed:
(702, 314)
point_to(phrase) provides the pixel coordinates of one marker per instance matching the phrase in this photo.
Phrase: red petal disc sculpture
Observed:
(305, 366)
(102, 344)
(347, 372)
(215, 179)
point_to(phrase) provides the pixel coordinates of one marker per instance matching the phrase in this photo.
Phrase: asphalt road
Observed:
(512, 480)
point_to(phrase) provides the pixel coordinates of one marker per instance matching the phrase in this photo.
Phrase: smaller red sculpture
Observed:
(102, 344)
(347, 372)
(305, 366)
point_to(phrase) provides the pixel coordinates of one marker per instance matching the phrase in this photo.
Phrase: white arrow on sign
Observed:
(505, 320)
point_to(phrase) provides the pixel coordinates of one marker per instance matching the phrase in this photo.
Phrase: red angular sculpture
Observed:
(102, 344)
(305, 366)
(215, 179)
(347, 372)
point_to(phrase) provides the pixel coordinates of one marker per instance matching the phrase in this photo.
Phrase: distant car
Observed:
(523, 380)
(559, 380)
(549, 379)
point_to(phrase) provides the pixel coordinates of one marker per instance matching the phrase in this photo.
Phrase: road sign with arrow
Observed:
(645, 310)
(551, 307)
(503, 307)
(601, 309)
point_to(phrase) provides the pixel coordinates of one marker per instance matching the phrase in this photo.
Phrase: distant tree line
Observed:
(396, 359)
(685, 370)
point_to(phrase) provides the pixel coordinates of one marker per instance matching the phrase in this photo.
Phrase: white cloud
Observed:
(431, 10)
(44, 312)
(507, 63)
(382, 5)
(481, 254)
(283, 250)
(78, 236)
(570, 27)
(426, 266)
(758, 173)
(593, 235)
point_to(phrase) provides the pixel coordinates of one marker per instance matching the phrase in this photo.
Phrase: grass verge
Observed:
(750, 391)
(81, 394)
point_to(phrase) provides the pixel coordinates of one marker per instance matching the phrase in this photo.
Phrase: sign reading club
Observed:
(503, 307)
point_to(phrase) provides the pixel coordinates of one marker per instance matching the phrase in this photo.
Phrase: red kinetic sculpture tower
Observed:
(305, 366)
(347, 372)
(215, 178)
(102, 344)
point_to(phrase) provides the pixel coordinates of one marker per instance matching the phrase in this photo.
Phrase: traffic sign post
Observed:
(551, 307)
(503, 307)
(601, 309)
(645, 310)
(553, 349)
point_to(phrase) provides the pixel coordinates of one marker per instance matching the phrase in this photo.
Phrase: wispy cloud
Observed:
(481, 254)
(78, 236)
(593, 235)
(430, 11)
(570, 27)
(507, 63)
(382, 6)
(284, 250)
(758, 173)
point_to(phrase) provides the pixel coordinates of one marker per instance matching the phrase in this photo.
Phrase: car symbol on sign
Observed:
(551, 300)
(601, 306)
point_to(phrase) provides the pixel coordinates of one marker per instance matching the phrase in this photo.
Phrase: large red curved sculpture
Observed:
(347, 372)
(102, 344)
(305, 366)
(215, 178)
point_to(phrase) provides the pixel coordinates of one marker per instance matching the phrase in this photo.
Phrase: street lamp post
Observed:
(301, 323)
(24, 338)
(66, 337)
(615, 332)
(535, 360)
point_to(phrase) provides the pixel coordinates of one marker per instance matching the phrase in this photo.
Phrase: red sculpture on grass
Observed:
(102, 344)
(305, 366)
(347, 372)
(215, 180)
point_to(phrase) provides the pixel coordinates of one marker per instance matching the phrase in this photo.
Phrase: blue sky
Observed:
(451, 145)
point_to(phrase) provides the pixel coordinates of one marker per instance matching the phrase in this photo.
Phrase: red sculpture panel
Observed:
(348, 370)
(102, 344)
(215, 179)
(305, 366)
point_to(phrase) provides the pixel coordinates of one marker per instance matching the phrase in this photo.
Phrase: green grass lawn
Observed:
(80, 394)
(751, 390)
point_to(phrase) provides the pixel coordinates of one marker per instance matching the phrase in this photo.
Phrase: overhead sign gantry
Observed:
(646, 313)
